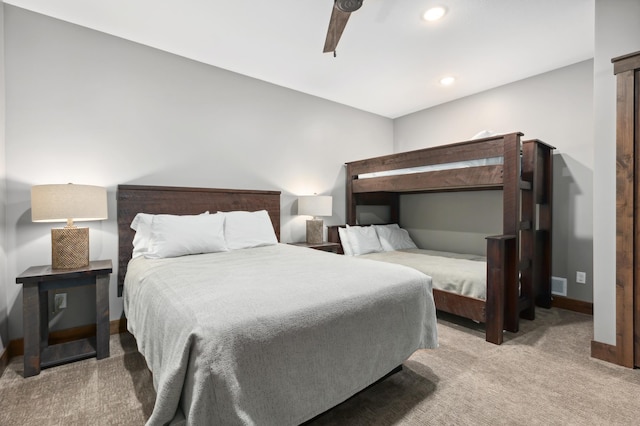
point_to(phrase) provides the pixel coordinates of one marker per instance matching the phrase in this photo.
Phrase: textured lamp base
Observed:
(314, 231)
(69, 248)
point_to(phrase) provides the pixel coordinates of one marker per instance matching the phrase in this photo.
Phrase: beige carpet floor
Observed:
(540, 376)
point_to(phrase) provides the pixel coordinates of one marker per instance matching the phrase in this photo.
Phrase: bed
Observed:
(460, 273)
(466, 285)
(519, 260)
(233, 337)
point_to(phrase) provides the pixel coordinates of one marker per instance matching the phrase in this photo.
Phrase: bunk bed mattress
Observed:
(465, 274)
(271, 335)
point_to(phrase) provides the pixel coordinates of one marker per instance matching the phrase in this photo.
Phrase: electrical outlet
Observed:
(581, 277)
(59, 302)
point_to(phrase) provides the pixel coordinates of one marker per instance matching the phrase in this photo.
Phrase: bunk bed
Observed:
(518, 261)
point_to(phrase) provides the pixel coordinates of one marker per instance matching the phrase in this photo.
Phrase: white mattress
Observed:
(491, 161)
(236, 337)
(465, 274)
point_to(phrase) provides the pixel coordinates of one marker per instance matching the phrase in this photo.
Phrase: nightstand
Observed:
(36, 282)
(330, 247)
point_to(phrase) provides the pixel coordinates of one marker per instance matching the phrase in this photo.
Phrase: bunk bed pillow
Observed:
(483, 134)
(394, 238)
(363, 240)
(173, 235)
(344, 240)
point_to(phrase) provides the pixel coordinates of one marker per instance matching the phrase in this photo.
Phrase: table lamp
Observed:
(315, 205)
(68, 203)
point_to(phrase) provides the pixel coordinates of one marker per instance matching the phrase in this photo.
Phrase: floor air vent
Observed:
(559, 286)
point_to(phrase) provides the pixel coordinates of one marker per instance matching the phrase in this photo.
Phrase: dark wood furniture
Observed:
(36, 282)
(626, 351)
(524, 248)
(326, 246)
(134, 199)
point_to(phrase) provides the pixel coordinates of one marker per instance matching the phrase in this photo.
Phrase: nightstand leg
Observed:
(31, 329)
(43, 298)
(102, 316)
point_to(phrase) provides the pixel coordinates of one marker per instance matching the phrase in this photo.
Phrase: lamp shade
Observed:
(315, 205)
(65, 202)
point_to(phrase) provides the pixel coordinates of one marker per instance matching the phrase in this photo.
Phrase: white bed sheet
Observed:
(271, 335)
(465, 274)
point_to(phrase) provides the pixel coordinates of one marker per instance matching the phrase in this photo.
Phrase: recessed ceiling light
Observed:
(447, 81)
(434, 13)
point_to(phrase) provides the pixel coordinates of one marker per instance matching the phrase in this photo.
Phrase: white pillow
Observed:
(483, 134)
(344, 240)
(394, 238)
(142, 225)
(248, 229)
(141, 240)
(363, 239)
(173, 236)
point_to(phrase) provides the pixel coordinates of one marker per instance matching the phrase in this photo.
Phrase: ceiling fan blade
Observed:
(336, 26)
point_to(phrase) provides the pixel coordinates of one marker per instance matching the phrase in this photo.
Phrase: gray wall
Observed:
(617, 30)
(452, 221)
(90, 108)
(4, 276)
(555, 107)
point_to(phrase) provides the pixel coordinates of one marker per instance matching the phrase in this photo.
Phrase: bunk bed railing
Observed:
(478, 178)
(505, 176)
(462, 151)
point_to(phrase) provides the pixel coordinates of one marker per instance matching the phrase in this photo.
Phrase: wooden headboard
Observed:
(134, 199)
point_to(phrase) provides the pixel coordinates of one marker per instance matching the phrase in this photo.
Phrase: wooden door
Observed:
(627, 71)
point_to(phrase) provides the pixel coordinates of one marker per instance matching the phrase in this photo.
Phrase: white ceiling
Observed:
(389, 61)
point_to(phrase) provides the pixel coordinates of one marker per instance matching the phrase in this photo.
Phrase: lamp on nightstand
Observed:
(68, 203)
(315, 205)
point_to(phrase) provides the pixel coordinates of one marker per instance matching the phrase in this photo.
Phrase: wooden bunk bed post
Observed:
(501, 265)
(537, 169)
(543, 233)
(511, 186)
(529, 247)
(351, 200)
(511, 199)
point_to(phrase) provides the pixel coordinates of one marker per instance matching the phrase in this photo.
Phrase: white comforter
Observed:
(465, 274)
(272, 335)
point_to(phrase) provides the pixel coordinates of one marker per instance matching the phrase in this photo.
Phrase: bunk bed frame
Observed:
(523, 249)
